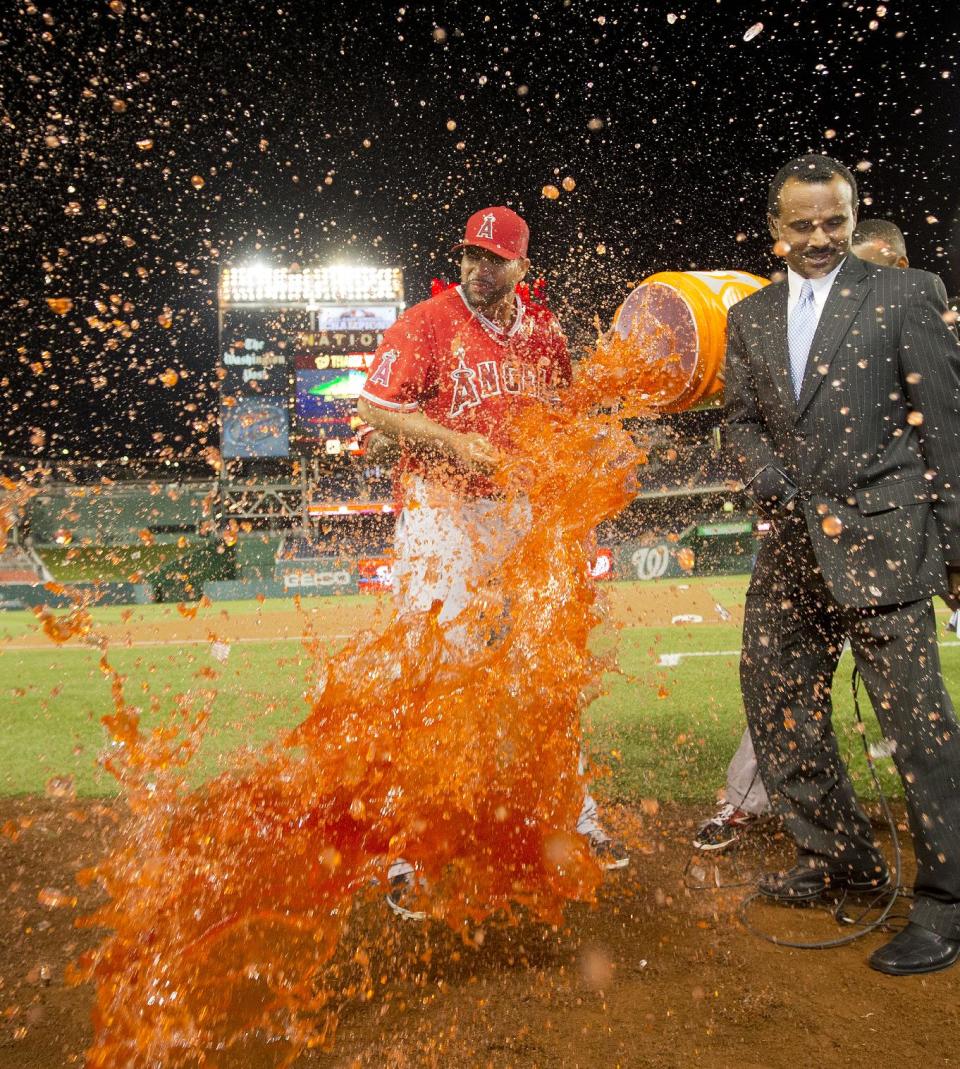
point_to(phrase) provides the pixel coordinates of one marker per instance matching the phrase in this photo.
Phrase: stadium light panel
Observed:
(259, 284)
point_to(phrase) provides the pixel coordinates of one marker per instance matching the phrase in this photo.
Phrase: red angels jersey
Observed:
(439, 358)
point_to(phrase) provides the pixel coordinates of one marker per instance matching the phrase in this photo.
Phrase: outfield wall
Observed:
(15, 596)
(115, 515)
(709, 549)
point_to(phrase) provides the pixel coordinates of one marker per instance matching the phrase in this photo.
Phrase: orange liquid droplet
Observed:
(686, 559)
(52, 898)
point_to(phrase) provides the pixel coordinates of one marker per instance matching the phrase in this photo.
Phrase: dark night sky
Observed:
(321, 132)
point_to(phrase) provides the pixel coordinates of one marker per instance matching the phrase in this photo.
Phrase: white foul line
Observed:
(671, 660)
(119, 644)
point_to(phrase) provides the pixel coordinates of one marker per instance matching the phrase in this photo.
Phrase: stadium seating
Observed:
(300, 547)
(21, 565)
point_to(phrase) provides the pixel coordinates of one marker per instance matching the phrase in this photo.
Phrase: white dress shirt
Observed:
(821, 289)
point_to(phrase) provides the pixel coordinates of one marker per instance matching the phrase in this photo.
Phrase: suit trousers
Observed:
(793, 634)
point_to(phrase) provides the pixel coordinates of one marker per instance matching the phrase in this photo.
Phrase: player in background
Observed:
(745, 800)
(442, 384)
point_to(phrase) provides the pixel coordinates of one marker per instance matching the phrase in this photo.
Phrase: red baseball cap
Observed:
(499, 230)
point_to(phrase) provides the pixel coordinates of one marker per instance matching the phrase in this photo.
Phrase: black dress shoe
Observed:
(915, 950)
(805, 881)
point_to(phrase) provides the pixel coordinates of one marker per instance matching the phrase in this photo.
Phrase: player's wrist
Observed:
(447, 441)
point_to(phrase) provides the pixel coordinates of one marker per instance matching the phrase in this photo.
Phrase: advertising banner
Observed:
(333, 578)
(255, 427)
(375, 575)
(601, 567)
(366, 319)
(326, 401)
(653, 560)
(255, 387)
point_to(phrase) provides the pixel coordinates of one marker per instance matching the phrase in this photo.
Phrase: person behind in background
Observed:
(745, 800)
(442, 384)
(843, 418)
(880, 242)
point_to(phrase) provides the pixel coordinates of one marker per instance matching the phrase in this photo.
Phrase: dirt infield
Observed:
(631, 604)
(656, 975)
(660, 974)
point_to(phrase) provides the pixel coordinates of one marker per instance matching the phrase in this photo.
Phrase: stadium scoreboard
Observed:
(295, 345)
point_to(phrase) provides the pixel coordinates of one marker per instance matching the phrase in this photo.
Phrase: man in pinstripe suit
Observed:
(843, 412)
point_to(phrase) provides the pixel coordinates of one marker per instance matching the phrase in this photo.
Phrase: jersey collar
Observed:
(497, 332)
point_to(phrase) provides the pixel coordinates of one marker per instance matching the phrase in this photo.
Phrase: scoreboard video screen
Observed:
(326, 400)
(294, 353)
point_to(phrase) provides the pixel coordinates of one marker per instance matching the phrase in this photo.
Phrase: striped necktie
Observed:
(800, 332)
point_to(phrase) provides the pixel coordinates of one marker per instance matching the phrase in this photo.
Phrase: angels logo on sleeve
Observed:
(384, 368)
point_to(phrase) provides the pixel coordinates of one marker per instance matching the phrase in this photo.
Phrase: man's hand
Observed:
(381, 449)
(477, 452)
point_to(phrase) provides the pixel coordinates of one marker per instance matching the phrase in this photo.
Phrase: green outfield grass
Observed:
(663, 732)
(14, 625)
(109, 564)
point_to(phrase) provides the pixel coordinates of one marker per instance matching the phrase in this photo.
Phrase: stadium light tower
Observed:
(258, 284)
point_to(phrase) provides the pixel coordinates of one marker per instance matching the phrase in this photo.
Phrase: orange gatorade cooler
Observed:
(680, 318)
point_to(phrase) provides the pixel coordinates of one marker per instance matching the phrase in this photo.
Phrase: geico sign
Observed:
(650, 562)
(315, 579)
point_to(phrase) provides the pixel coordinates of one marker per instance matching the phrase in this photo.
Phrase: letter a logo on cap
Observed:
(512, 232)
(485, 230)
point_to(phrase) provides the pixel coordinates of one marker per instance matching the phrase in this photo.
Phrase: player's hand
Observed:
(478, 453)
(381, 449)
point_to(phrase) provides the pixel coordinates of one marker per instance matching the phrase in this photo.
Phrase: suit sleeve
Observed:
(767, 481)
(930, 370)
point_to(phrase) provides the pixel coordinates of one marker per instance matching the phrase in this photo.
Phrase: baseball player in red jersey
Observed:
(441, 385)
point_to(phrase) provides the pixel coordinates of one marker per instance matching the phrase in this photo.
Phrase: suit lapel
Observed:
(843, 302)
(775, 338)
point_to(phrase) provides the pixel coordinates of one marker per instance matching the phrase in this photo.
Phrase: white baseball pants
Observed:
(443, 546)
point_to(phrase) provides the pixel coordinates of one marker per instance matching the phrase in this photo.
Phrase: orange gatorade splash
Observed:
(226, 903)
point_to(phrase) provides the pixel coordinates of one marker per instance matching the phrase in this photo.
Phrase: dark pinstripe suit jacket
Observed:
(854, 445)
